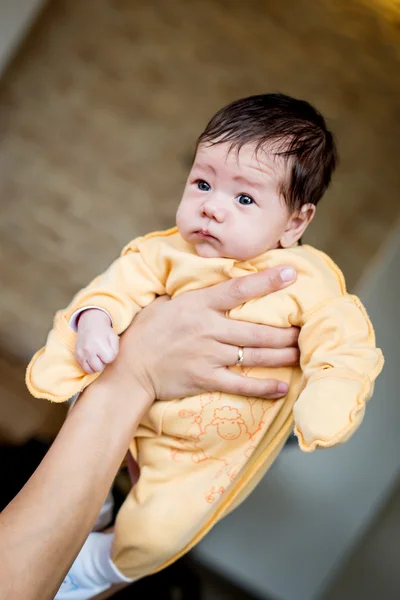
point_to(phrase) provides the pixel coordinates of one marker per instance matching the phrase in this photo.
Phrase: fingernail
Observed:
(283, 388)
(288, 274)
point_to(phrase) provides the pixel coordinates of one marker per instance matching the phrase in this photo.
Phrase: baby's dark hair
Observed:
(292, 129)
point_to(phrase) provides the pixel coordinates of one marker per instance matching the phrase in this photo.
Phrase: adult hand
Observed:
(183, 346)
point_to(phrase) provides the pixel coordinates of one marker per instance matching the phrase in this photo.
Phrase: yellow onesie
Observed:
(201, 456)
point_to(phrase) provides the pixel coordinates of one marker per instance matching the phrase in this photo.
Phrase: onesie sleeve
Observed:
(340, 363)
(128, 285)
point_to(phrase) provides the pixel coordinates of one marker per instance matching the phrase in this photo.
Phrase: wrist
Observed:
(125, 388)
(132, 367)
(92, 316)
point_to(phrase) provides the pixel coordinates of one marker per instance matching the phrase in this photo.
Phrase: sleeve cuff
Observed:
(73, 322)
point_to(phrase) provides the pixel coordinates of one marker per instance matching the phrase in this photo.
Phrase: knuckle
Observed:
(203, 380)
(81, 353)
(197, 328)
(277, 338)
(88, 352)
(237, 288)
(280, 338)
(256, 335)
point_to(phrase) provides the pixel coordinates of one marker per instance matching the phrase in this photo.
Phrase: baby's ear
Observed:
(297, 224)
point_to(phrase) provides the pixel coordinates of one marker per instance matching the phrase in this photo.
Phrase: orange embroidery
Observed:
(223, 435)
(229, 423)
(211, 495)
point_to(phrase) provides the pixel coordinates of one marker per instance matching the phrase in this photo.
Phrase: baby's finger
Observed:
(107, 356)
(96, 364)
(86, 367)
(82, 362)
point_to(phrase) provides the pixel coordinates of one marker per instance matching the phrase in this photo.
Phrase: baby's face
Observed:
(231, 206)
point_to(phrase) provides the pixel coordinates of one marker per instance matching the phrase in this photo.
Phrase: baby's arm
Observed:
(73, 357)
(112, 300)
(128, 285)
(340, 362)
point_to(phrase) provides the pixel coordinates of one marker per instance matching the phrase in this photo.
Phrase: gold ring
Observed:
(240, 358)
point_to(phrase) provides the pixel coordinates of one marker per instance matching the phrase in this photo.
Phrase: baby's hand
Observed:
(97, 343)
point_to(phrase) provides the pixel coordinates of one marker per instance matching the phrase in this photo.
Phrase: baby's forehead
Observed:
(249, 157)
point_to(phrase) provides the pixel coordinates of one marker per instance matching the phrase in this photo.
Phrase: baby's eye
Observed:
(245, 200)
(203, 185)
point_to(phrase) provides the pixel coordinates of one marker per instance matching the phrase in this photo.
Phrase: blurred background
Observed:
(101, 102)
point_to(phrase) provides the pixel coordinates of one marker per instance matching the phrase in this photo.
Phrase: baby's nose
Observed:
(213, 210)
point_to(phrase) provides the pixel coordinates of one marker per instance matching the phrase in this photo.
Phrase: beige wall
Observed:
(101, 108)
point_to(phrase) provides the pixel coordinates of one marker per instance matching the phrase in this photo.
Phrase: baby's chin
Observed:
(207, 250)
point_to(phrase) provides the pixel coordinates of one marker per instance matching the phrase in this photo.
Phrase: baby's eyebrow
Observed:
(205, 166)
(247, 182)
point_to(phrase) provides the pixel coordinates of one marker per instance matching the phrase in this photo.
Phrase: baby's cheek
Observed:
(243, 247)
(182, 220)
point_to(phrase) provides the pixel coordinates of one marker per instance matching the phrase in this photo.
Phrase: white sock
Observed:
(93, 570)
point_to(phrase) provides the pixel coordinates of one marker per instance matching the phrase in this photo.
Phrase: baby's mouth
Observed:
(205, 234)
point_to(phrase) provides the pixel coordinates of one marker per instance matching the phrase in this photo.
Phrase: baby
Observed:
(261, 166)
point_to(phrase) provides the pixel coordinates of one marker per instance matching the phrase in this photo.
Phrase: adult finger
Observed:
(265, 357)
(232, 383)
(229, 294)
(239, 333)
